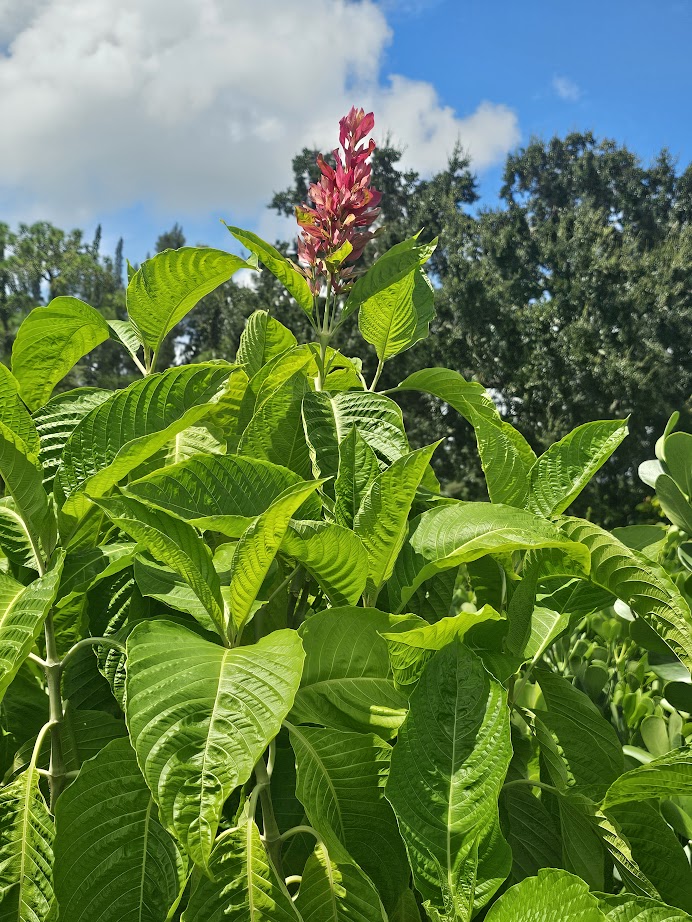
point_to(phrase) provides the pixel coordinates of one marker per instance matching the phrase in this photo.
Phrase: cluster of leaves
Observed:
(235, 683)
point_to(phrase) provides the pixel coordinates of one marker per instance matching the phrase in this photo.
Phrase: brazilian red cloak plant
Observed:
(237, 680)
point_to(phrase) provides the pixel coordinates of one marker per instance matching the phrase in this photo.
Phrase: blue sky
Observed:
(622, 68)
(139, 113)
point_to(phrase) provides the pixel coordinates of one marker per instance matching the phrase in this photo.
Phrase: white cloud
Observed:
(566, 89)
(192, 105)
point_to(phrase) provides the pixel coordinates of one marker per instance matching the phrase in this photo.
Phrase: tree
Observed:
(173, 239)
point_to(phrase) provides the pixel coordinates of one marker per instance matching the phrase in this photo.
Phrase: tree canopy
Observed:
(570, 299)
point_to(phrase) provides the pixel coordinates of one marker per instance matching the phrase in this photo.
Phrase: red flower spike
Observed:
(344, 204)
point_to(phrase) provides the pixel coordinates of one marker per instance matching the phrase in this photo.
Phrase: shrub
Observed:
(256, 666)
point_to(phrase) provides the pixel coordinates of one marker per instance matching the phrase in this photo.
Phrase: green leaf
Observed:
(636, 580)
(200, 716)
(26, 851)
(447, 770)
(220, 493)
(50, 341)
(113, 859)
(341, 778)
(450, 535)
(174, 543)
(410, 651)
(331, 892)
(347, 681)
(506, 456)
(531, 833)
(262, 339)
(674, 502)
(358, 468)
(125, 333)
(552, 896)
(382, 520)
(677, 454)
(14, 414)
(166, 287)
(243, 886)
(56, 421)
(294, 283)
(399, 316)
(671, 773)
(15, 537)
(256, 549)
(394, 265)
(626, 907)
(332, 555)
(562, 472)
(117, 436)
(164, 585)
(329, 419)
(23, 478)
(588, 743)
(657, 851)
(23, 610)
(275, 431)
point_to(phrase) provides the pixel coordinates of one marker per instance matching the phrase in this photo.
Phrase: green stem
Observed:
(56, 712)
(92, 642)
(521, 782)
(297, 830)
(380, 366)
(271, 834)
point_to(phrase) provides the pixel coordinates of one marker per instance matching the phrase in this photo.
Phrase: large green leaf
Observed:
(275, 433)
(200, 716)
(450, 535)
(505, 454)
(341, 778)
(347, 681)
(174, 543)
(50, 341)
(243, 886)
(294, 283)
(447, 770)
(329, 418)
(167, 286)
(660, 778)
(562, 472)
(113, 859)
(657, 851)
(331, 892)
(393, 266)
(332, 555)
(223, 493)
(56, 421)
(382, 520)
(358, 467)
(531, 833)
(626, 907)
(398, 316)
(639, 582)
(409, 651)
(23, 478)
(23, 610)
(26, 851)
(263, 338)
(552, 896)
(13, 412)
(121, 433)
(256, 549)
(588, 743)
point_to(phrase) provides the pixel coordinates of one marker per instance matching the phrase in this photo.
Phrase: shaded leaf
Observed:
(331, 892)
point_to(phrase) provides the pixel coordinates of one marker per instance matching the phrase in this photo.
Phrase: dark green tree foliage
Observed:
(571, 299)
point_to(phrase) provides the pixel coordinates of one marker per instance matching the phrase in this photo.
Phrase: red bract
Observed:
(344, 203)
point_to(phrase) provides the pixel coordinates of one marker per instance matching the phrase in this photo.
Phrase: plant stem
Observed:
(271, 834)
(92, 642)
(520, 782)
(56, 712)
(380, 366)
